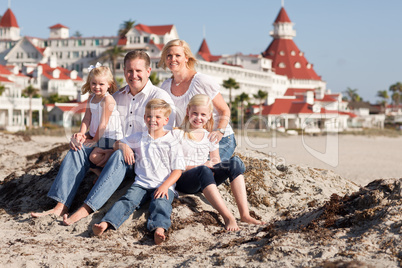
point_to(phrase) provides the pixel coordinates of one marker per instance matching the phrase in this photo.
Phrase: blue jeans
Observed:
(71, 173)
(109, 180)
(196, 179)
(159, 209)
(227, 146)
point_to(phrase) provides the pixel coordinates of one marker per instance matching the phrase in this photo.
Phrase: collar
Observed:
(144, 91)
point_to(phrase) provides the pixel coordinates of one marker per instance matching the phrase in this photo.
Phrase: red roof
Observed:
(205, 53)
(159, 46)
(58, 26)
(122, 41)
(78, 108)
(282, 16)
(5, 80)
(64, 73)
(8, 20)
(159, 30)
(4, 70)
(288, 60)
(297, 91)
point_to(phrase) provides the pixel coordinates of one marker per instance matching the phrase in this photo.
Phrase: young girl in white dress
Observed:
(101, 123)
(203, 174)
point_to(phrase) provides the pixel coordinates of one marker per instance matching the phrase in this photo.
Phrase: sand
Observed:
(315, 217)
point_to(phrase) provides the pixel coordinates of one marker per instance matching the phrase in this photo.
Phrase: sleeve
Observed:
(207, 85)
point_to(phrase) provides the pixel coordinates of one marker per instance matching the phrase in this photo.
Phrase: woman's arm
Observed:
(224, 118)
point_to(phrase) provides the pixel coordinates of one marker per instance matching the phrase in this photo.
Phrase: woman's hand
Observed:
(215, 136)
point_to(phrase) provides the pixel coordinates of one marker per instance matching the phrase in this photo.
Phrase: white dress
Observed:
(113, 129)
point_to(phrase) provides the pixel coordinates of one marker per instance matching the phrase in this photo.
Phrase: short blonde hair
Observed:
(192, 61)
(198, 100)
(159, 104)
(96, 72)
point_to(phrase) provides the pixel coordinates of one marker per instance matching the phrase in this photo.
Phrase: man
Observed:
(130, 102)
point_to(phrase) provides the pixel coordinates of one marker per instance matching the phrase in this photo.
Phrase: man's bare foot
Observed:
(82, 212)
(231, 224)
(250, 220)
(159, 236)
(59, 210)
(99, 228)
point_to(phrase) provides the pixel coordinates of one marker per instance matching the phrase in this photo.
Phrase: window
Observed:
(282, 53)
(297, 65)
(308, 65)
(293, 53)
(282, 65)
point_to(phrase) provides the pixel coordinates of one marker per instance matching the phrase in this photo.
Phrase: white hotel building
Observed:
(58, 64)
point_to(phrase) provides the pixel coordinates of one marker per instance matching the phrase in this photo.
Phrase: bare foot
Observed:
(159, 236)
(82, 212)
(231, 224)
(59, 210)
(99, 228)
(251, 220)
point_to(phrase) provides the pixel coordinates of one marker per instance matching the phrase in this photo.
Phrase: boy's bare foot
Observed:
(82, 212)
(250, 220)
(59, 210)
(231, 224)
(159, 236)
(99, 228)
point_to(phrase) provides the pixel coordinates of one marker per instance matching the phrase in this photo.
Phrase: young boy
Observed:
(159, 163)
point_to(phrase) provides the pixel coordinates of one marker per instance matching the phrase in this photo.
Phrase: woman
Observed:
(187, 82)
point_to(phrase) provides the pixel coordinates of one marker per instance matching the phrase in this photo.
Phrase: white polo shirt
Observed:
(155, 159)
(132, 108)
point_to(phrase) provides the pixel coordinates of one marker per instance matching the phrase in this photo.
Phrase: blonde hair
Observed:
(187, 52)
(198, 100)
(159, 104)
(96, 72)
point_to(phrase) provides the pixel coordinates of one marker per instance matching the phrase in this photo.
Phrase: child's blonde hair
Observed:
(159, 104)
(198, 100)
(100, 71)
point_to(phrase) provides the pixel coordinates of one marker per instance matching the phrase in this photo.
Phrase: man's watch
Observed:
(221, 130)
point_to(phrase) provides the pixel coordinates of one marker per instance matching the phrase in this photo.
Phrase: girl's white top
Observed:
(113, 129)
(195, 152)
(200, 84)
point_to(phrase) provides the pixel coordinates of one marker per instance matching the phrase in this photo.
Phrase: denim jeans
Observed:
(159, 209)
(71, 173)
(227, 146)
(196, 179)
(109, 180)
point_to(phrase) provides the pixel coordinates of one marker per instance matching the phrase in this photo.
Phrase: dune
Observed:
(315, 218)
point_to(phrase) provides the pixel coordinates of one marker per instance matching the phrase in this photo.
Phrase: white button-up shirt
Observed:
(132, 108)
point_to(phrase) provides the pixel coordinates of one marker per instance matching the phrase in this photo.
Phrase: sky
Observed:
(353, 44)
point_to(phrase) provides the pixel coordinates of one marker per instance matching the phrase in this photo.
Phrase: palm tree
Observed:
(112, 55)
(230, 84)
(383, 94)
(243, 97)
(397, 91)
(2, 88)
(261, 96)
(125, 27)
(352, 95)
(30, 91)
(77, 34)
(154, 78)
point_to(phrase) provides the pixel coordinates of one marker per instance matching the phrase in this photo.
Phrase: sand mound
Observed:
(315, 219)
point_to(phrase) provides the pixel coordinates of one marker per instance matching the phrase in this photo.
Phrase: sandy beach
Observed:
(315, 217)
(360, 159)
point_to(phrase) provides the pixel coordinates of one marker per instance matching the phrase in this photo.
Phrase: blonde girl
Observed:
(101, 123)
(203, 175)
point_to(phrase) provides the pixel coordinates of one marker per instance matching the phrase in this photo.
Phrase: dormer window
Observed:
(297, 65)
(293, 53)
(308, 65)
(282, 53)
(282, 65)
